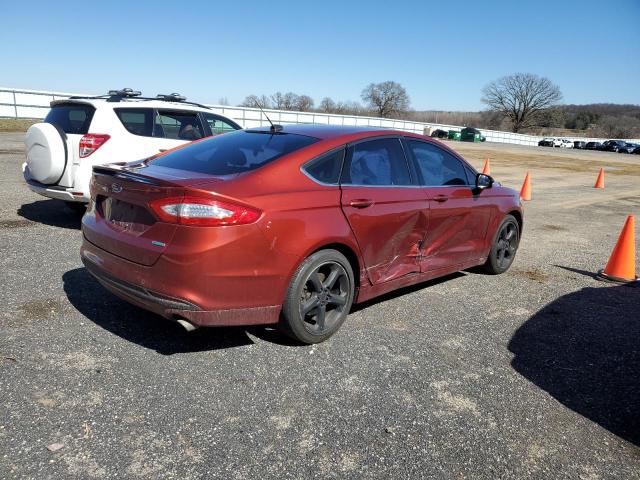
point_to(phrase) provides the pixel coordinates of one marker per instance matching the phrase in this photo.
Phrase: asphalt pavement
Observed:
(531, 374)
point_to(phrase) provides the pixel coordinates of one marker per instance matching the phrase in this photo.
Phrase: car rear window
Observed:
(235, 152)
(71, 117)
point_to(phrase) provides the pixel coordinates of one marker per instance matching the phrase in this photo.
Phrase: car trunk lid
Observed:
(120, 220)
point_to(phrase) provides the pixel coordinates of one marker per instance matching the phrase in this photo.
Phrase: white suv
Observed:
(81, 132)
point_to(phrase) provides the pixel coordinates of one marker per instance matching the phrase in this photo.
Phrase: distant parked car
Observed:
(439, 133)
(546, 142)
(471, 135)
(563, 143)
(628, 148)
(579, 144)
(593, 146)
(613, 145)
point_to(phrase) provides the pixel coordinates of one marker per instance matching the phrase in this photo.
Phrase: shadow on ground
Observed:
(584, 350)
(52, 212)
(149, 330)
(166, 337)
(405, 291)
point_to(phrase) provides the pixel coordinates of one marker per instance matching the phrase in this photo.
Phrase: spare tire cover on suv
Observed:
(46, 150)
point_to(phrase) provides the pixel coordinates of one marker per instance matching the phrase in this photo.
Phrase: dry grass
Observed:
(551, 159)
(16, 125)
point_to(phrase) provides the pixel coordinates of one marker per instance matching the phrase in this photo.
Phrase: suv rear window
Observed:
(71, 117)
(235, 152)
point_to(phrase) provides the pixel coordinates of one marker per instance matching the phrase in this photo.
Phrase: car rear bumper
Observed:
(68, 194)
(129, 281)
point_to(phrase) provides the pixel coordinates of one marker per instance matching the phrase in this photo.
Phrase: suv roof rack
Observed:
(172, 97)
(130, 94)
(112, 95)
(125, 92)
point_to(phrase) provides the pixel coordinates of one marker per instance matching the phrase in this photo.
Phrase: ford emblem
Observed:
(116, 187)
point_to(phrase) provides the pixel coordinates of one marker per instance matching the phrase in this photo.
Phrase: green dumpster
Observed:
(471, 135)
(453, 135)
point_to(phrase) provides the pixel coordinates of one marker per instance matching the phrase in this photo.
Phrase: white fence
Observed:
(17, 103)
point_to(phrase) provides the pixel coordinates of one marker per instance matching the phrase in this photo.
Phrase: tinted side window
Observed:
(217, 125)
(376, 162)
(138, 121)
(71, 118)
(436, 166)
(178, 125)
(326, 169)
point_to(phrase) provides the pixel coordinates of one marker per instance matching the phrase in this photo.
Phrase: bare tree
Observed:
(303, 103)
(278, 100)
(290, 101)
(350, 108)
(386, 98)
(328, 105)
(521, 97)
(254, 101)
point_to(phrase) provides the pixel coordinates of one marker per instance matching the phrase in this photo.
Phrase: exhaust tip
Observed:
(188, 326)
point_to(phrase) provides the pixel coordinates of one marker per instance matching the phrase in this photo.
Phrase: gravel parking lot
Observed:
(531, 374)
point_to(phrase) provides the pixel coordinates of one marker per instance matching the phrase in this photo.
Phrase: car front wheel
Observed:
(504, 247)
(319, 297)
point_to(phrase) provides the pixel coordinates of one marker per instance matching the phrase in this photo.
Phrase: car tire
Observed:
(504, 246)
(319, 297)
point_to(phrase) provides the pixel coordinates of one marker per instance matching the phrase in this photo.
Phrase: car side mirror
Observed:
(483, 181)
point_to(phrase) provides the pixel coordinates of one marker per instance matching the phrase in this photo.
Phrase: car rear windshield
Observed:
(71, 117)
(234, 152)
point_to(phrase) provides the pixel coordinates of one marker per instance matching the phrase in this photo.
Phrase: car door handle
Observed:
(361, 202)
(441, 198)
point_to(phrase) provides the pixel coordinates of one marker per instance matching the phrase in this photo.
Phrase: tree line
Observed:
(522, 102)
(384, 99)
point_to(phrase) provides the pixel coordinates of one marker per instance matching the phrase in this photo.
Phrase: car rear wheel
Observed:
(504, 247)
(319, 297)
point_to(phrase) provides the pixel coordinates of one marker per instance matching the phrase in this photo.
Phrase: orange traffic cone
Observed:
(525, 192)
(486, 170)
(600, 179)
(621, 266)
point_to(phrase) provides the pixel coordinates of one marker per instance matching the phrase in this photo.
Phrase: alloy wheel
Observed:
(507, 244)
(324, 297)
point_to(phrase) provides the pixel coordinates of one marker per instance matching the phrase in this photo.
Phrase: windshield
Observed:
(234, 152)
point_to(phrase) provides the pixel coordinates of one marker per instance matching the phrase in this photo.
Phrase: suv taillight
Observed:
(91, 142)
(202, 212)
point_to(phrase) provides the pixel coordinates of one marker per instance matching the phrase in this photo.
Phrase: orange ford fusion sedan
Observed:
(292, 225)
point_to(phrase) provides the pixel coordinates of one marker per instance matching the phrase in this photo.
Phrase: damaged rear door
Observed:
(387, 211)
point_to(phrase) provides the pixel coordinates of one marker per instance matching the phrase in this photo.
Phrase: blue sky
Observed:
(211, 49)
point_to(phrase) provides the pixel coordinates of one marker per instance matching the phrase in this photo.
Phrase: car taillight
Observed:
(90, 142)
(202, 211)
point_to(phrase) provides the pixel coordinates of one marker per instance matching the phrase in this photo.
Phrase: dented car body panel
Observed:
(393, 235)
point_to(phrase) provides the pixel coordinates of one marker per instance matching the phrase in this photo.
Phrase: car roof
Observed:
(325, 132)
